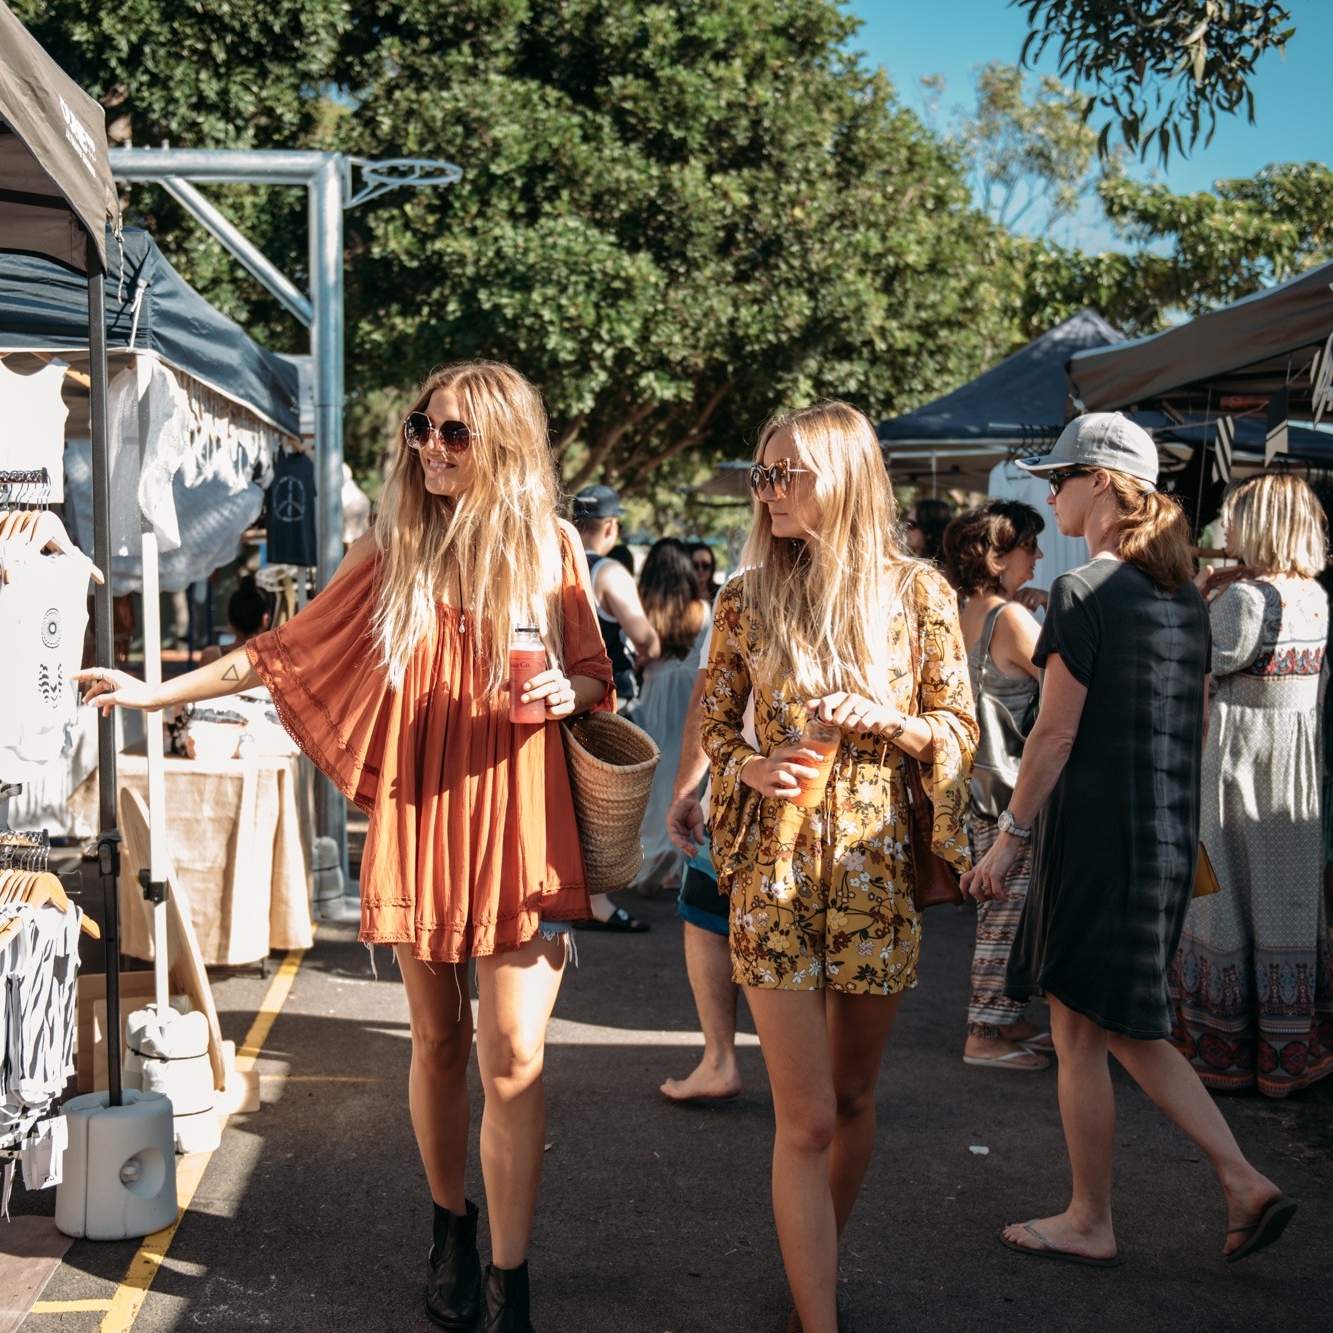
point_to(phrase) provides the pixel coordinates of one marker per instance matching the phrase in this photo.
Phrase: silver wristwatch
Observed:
(1008, 824)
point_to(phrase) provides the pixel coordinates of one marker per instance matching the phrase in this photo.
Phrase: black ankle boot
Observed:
(507, 1299)
(453, 1276)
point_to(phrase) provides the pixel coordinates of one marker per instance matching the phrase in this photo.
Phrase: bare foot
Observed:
(1061, 1233)
(718, 1081)
(999, 1049)
(1246, 1199)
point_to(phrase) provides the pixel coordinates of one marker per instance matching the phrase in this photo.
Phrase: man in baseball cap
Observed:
(1096, 440)
(595, 502)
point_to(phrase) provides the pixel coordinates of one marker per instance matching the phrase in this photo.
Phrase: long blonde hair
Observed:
(1277, 525)
(501, 536)
(827, 602)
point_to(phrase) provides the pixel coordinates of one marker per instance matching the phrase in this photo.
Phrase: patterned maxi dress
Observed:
(1253, 980)
(823, 898)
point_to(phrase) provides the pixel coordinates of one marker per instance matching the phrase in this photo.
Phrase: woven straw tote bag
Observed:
(611, 764)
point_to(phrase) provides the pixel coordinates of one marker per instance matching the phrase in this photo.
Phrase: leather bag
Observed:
(1000, 749)
(934, 880)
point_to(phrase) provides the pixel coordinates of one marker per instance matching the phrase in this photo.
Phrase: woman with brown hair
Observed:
(989, 554)
(395, 682)
(1253, 979)
(1110, 778)
(669, 592)
(830, 620)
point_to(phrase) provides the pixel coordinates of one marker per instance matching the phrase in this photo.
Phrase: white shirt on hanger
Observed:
(33, 413)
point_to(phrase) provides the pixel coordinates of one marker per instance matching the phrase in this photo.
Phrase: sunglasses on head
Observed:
(455, 436)
(776, 478)
(1058, 479)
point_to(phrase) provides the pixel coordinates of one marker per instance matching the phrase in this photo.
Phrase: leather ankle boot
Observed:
(507, 1299)
(453, 1276)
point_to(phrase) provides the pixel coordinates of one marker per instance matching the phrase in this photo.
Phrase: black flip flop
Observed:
(619, 921)
(1265, 1228)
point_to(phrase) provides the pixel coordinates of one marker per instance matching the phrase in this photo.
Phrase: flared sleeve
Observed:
(332, 697)
(722, 721)
(944, 703)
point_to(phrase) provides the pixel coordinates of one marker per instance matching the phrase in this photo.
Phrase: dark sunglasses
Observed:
(776, 478)
(455, 436)
(1058, 479)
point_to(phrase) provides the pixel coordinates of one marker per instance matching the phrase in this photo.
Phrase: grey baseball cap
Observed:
(1100, 439)
(596, 502)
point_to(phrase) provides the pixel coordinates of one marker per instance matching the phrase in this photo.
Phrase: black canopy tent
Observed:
(150, 309)
(1019, 404)
(1273, 341)
(57, 195)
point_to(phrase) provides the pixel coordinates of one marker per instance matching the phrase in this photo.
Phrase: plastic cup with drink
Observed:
(527, 658)
(820, 738)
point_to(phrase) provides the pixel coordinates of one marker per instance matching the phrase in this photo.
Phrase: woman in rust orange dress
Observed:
(394, 681)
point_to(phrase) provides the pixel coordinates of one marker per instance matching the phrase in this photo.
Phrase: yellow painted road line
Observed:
(133, 1290)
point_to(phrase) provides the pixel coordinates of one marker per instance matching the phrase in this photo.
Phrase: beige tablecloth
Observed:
(235, 836)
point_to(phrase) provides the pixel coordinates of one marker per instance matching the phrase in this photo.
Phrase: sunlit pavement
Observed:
(654, 1217)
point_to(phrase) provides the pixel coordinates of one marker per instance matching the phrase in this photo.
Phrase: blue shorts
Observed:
(699, 901)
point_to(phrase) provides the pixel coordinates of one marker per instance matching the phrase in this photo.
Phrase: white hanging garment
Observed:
(32, 425)
(43, 619)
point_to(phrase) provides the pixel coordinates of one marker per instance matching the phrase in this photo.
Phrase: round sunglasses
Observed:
(776, 478)
(455, 436)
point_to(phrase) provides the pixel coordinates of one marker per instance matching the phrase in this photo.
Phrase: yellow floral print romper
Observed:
(823, 898)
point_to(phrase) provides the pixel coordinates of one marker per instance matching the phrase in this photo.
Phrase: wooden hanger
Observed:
(37, 888)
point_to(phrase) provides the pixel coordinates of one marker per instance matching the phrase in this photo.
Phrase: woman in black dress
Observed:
(1111, 776)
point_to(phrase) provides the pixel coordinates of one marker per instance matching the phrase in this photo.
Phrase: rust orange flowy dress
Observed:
(472, 837)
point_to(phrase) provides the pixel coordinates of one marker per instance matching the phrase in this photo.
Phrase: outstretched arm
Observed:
(107, 689)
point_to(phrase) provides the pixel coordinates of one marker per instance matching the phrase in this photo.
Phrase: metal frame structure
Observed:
(328, 179)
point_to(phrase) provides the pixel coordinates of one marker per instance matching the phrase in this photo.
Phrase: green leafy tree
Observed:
(1031, 151)
(673, 218)
(1221, 244)
(1162, 69)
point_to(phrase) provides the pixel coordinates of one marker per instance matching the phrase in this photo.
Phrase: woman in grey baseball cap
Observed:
(1109, 794)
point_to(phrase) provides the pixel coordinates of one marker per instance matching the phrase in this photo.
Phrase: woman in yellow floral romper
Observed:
(824, 936)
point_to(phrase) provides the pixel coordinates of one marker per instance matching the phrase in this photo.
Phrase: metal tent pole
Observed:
(104, 631)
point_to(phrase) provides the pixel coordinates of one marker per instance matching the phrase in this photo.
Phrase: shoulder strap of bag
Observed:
(987, 634)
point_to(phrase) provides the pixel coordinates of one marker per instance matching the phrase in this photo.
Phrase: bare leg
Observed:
(793, 1034)
(1087, 1109)
(440, 1013)
(708, 962)
(517, 990)
(1166, 1076)
(858, 1027)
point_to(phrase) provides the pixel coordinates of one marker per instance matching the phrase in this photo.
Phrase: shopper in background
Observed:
(705, 570)
(630, 639)
(1253, 979)
(670, 595)
(1110, 776)
(394, 681)
(923, 528)
(989, 554)
(829, 620)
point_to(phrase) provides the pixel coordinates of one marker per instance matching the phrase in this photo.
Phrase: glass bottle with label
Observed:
(527, 658)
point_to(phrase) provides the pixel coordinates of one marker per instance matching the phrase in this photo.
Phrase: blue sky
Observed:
(1293, 97)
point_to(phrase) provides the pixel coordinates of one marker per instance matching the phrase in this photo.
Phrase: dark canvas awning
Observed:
(1020, 401)
(56, 188)
(149, 308)
(1249, 350)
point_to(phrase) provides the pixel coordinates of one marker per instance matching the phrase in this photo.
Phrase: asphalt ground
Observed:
(654, 1217)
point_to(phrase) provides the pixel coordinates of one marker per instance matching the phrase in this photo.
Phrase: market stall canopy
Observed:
(1227, 360)
(1019, 404)
(149, 308)
(56, 188)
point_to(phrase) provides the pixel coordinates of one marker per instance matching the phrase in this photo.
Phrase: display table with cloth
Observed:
(235, 833)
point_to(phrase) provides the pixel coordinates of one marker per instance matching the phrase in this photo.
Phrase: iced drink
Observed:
(527, 658)
(822, 738)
